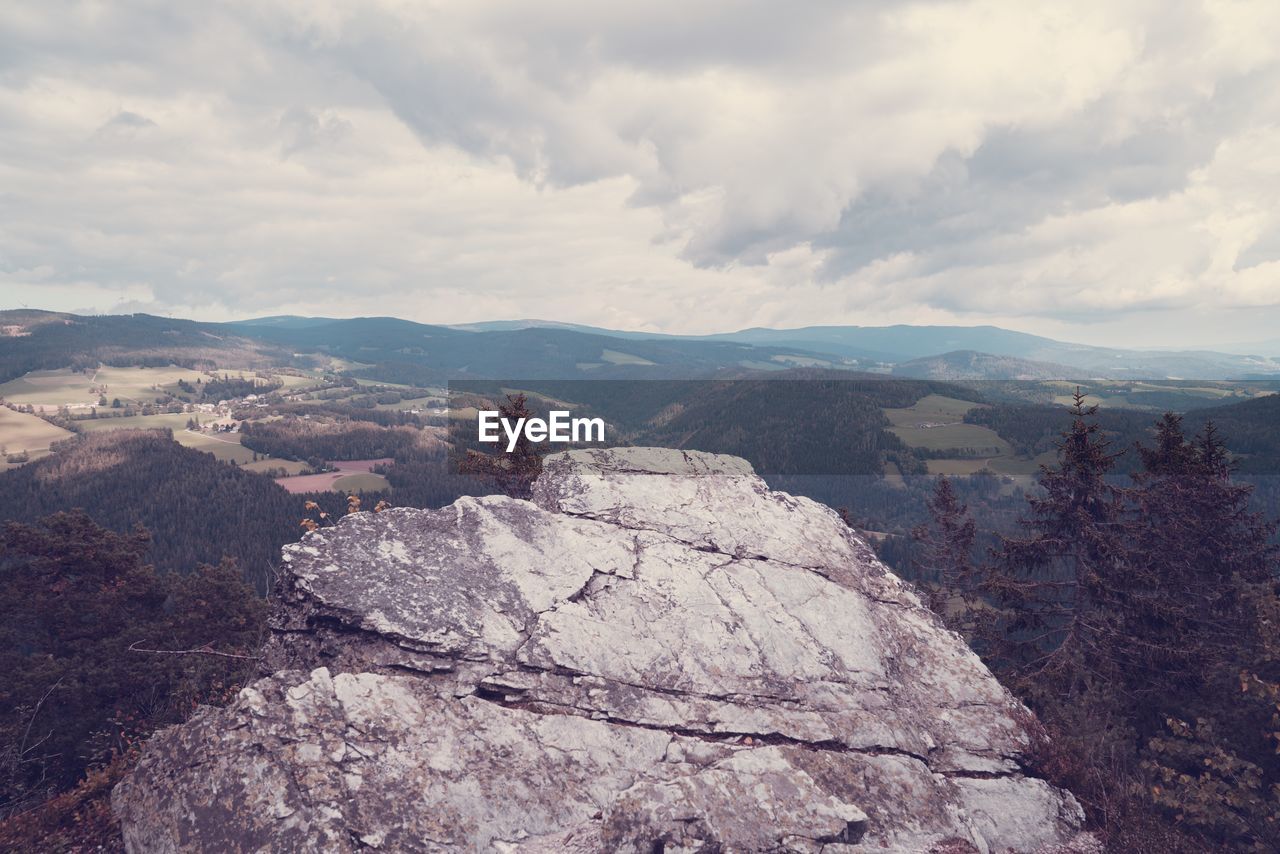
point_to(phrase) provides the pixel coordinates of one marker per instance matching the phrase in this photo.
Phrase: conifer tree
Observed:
(1202, 619)
(514, 472)
(945, 560)
(1056, 586)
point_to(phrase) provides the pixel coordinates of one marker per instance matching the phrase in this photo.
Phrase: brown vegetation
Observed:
(98, 650)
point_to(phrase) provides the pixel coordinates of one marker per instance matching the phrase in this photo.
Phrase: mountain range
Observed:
(395, 350)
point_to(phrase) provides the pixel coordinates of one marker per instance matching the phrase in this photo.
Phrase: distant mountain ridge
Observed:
(904, 343)
(397, 350)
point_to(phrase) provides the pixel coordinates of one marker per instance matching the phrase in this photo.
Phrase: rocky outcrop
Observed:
(656, 653)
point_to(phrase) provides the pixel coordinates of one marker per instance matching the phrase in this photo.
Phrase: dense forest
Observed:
(793, 422)
(98, 650)
(1035, 429)
(197, 509)
(315, 439)
(1137, 617)
(227, 387)
(1252, 428)
(806, 427)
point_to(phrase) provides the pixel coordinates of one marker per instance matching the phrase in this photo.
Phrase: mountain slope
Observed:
(903, 343)
(196, 508)
(396, 350)
(35, 341)
(404, 351)
(971, 365)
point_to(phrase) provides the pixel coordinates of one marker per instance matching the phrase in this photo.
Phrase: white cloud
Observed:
(677, 166)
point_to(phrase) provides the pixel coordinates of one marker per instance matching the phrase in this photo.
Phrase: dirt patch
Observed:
(325, 482)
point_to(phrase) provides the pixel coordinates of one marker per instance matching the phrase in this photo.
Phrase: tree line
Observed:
(316, 439)
(1138, 617)
(197, 508)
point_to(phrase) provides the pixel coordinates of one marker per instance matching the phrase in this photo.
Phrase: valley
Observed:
(315, 405)
(225, 442)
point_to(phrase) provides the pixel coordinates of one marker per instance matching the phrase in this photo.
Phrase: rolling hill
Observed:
(40, 340)
(196, 508)
(403, 351)
(972, 365)
(902, 343)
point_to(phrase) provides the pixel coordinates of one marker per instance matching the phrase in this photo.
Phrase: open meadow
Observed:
(270, 464)
(135, 385)
(360, 483)
(351, 476)
(936, 423)
(23, 433)
(224, 446)
(65, 387)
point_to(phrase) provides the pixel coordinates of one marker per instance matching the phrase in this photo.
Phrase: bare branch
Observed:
(22, 748)
(203, 650)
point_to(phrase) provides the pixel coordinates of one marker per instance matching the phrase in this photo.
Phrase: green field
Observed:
(360, 483)
(140, 385)
(962, 467)
(1126, 394)
(291, 467)
(224, 446)
(65, 387)
(20, 432)
(174, 421)
(614, 357)
(1090, 400)
(291, 382)
(936, 423)
(933, 407)
(410, 403)
(1021, 466)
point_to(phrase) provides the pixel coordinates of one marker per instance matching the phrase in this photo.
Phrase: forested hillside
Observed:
(789, 427)
(797, 421)
(91, 652)
(47, 340)
(197, 509)
(317, 440)
(1251, 429)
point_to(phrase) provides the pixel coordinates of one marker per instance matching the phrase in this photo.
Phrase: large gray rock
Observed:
(656, 653)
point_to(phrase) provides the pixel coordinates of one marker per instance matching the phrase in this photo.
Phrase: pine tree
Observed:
(74, 598)
(514, 472)
(1056, 586)
(945, 559)
(1203, 667)
(1196, 538)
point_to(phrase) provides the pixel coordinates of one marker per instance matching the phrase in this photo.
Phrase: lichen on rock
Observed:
(655, 653)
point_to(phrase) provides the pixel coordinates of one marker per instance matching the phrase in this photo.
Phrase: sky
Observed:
(1104, 172)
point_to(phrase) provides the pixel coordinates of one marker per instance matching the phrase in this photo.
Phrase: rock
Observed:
(655, 653)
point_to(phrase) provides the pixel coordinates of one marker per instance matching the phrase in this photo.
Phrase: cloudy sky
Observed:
(1099, 171)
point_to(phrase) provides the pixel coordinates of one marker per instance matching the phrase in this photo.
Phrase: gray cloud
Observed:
(125, 122)
(668, 165)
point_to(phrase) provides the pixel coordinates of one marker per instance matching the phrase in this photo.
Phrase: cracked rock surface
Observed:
(656, 653)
